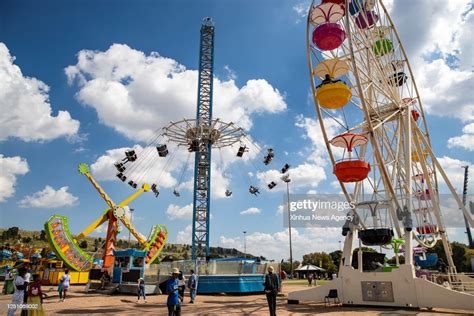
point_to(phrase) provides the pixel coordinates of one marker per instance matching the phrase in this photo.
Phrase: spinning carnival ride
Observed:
(67, 248)
(377, 138)
(200, 135)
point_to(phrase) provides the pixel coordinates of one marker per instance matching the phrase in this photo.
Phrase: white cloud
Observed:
(440, 52)
(185, 236)
(251, 211)
(445, 91)
(465, 141)
(276, 245)
(454, 171)
(232, 243)
(303, 175)
(11, 167)
(103, 168)
(25, 106)
(134, 93)
(318, 152)
(180, 212)
(280, 209)
(49, 198)
(231, 75)
(301, 11)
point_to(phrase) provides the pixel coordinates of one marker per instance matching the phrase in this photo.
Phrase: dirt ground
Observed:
(80, 303)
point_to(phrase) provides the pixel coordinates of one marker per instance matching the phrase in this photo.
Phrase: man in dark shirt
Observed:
(272, 286)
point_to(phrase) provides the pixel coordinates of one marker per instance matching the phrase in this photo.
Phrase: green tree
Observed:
(320, 259)
(461, 261)
(286, 266)
(43, 235)
(336, 257)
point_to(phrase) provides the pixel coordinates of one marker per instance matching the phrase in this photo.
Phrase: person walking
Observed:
(181, 285)
(192, 285)
(141, 290)
(310, 279)
(35, 297)
(272, 286)
(8, 286)
(27, 278)
(64, 285)
(173, 301)
(18, 295)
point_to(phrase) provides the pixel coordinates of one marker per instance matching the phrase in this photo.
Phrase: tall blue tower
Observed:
(202, 144)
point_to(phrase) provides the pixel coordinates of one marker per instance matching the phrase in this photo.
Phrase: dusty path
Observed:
(79, 303)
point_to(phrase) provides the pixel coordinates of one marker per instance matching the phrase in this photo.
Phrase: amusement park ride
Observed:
(66, 246)
(386, 167)
(200, 136)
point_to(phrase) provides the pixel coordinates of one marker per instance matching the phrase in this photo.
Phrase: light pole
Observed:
(287, 180)
(245, 244)
(131, 217)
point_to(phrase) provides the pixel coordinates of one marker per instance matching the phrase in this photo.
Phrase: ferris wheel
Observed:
(374, 126)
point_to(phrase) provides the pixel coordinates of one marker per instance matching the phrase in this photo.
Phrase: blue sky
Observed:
(259, 46)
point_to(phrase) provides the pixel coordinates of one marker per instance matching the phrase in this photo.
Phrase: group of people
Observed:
(175, 287)
(26, 290)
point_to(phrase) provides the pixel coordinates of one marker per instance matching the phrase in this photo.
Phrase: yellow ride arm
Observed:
(83, 169)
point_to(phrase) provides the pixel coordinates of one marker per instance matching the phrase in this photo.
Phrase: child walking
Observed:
(141, 289)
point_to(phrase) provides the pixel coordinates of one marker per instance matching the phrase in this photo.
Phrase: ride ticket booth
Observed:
(129, 266)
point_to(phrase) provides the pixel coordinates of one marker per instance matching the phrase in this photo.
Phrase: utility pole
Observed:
(245, 244)
(287, 180)
(129, 235)
(464, 196)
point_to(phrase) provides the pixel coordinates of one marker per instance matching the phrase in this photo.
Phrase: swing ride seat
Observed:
(382, 47)
(329, 36)
(427, 229)
(366, 19)
(351, 170)
(376, 236)
(162, 150)
(333, 95)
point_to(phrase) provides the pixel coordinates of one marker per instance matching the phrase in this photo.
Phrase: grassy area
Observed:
(303, 282)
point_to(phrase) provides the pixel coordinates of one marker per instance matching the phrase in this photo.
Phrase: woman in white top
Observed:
(181, 285)
(18, 295)
(64, 285)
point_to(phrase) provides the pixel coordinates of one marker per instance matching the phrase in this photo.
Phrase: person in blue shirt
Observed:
(173, 302)
(192, 285)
